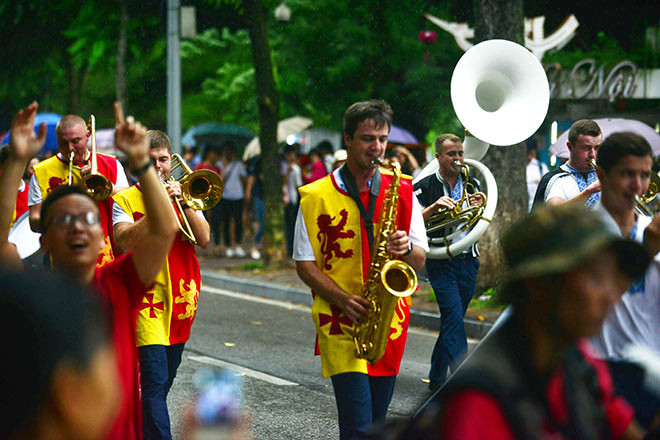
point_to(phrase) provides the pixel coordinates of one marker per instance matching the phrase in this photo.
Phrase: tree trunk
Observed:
(268, 103)
(502, 19)
(122, 41)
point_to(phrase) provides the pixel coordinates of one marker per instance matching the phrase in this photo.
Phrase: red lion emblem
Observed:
(329, 234)
(53, 183)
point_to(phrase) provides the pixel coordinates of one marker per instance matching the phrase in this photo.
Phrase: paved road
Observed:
(269, 343)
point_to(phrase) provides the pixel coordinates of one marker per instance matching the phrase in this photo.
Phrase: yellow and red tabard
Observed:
(338, 236)
(169, 307)
(54, 172)
(21, 203)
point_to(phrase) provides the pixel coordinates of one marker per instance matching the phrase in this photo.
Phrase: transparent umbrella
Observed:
(285, 128)
(609, 126)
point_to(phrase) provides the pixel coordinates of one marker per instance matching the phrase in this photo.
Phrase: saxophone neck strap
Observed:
(351, 187)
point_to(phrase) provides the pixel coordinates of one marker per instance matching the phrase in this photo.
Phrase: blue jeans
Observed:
(453, 282)
(259, 217)
(158, 365)
(362, 401)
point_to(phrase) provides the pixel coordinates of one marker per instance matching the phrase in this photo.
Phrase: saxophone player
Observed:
(334, 239)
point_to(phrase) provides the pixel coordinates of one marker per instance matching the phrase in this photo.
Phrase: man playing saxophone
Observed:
(333, 244)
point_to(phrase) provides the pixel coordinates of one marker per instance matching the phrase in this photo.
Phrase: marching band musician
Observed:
(576, 180)
(21, 196)
(624, 169)
(72, 136)
(169, 308)
(332, 249)
(72, 234)
(453, 280)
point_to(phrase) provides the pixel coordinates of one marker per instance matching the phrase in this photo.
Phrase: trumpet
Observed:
(97, 185)
(201, 190)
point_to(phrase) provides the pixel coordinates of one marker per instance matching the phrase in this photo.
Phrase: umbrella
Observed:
(51, 120)
(217, 134)
(400, 135)
(285, 128)
(609, 126)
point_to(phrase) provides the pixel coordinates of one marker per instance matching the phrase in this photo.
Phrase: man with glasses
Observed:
(72, 235)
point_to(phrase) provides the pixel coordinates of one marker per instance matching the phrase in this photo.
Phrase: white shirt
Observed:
(34, 194)
(535, 170)
(233, 186)
(302, 246)
(635, 319)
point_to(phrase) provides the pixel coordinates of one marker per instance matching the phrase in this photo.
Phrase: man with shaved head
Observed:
(72, 136)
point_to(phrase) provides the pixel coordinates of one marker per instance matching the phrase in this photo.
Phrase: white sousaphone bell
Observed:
(500, 93)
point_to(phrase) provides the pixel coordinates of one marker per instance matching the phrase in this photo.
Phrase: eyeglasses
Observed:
(66, 221)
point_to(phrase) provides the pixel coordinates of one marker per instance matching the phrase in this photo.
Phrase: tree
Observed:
(268, 101)
(501, 19)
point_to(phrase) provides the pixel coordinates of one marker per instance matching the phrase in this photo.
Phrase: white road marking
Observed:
(248, 372)
(246, 297)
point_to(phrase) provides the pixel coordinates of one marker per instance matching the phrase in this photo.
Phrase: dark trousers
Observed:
(453, 282)
(628, 381)
(158, 365)
(290, 214)
(362, 401)
(214, 219)
(232, 210)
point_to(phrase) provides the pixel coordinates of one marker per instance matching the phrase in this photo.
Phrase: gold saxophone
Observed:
(387, 281)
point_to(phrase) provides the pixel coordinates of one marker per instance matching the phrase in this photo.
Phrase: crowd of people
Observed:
(101, 323)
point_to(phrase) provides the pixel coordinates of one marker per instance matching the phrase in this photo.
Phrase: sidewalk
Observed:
(245, 275)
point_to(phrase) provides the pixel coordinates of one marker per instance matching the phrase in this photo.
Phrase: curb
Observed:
(418, 318)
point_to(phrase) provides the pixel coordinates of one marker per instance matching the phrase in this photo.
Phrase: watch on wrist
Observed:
(410, 249)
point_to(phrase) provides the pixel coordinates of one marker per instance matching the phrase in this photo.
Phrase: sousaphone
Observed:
(500, 93)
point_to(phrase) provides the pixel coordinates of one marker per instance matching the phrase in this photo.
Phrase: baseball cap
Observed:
(340, 155)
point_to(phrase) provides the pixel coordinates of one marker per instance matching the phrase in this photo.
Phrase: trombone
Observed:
(201, 190)
(97, 185)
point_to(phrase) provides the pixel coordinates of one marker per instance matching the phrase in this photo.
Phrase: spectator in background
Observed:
(254, 197)
(62, 380)
(29, 170)
(325, 147)
(213, 216)
(190, 156)
(231, 206)
(535, 170)
(409, 164)
(317, 167)
(291, 181)
(339, 158)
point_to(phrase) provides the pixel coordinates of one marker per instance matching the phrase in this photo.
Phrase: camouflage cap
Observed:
(555, 240)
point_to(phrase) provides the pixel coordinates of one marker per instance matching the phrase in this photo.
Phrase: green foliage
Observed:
(607, 51)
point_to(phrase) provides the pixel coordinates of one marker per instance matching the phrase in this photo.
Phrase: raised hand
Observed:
(131, 138)
(24, 144)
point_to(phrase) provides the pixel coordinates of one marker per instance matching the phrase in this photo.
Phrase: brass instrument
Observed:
(648, 204)
(97, 185)
(71, 167)
(388, 280)
(201, 190)
(466, 217)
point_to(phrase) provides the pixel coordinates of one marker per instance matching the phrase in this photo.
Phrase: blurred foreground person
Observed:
(61, 381)
(533, 376)
(72, 234)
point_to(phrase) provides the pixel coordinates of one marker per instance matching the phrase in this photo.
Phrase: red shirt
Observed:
(122, 291)
(477, 415)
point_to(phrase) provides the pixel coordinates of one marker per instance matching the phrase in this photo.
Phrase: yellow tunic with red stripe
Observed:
(169, 308)
(54, 172)
(21, 203)
(338, 236)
